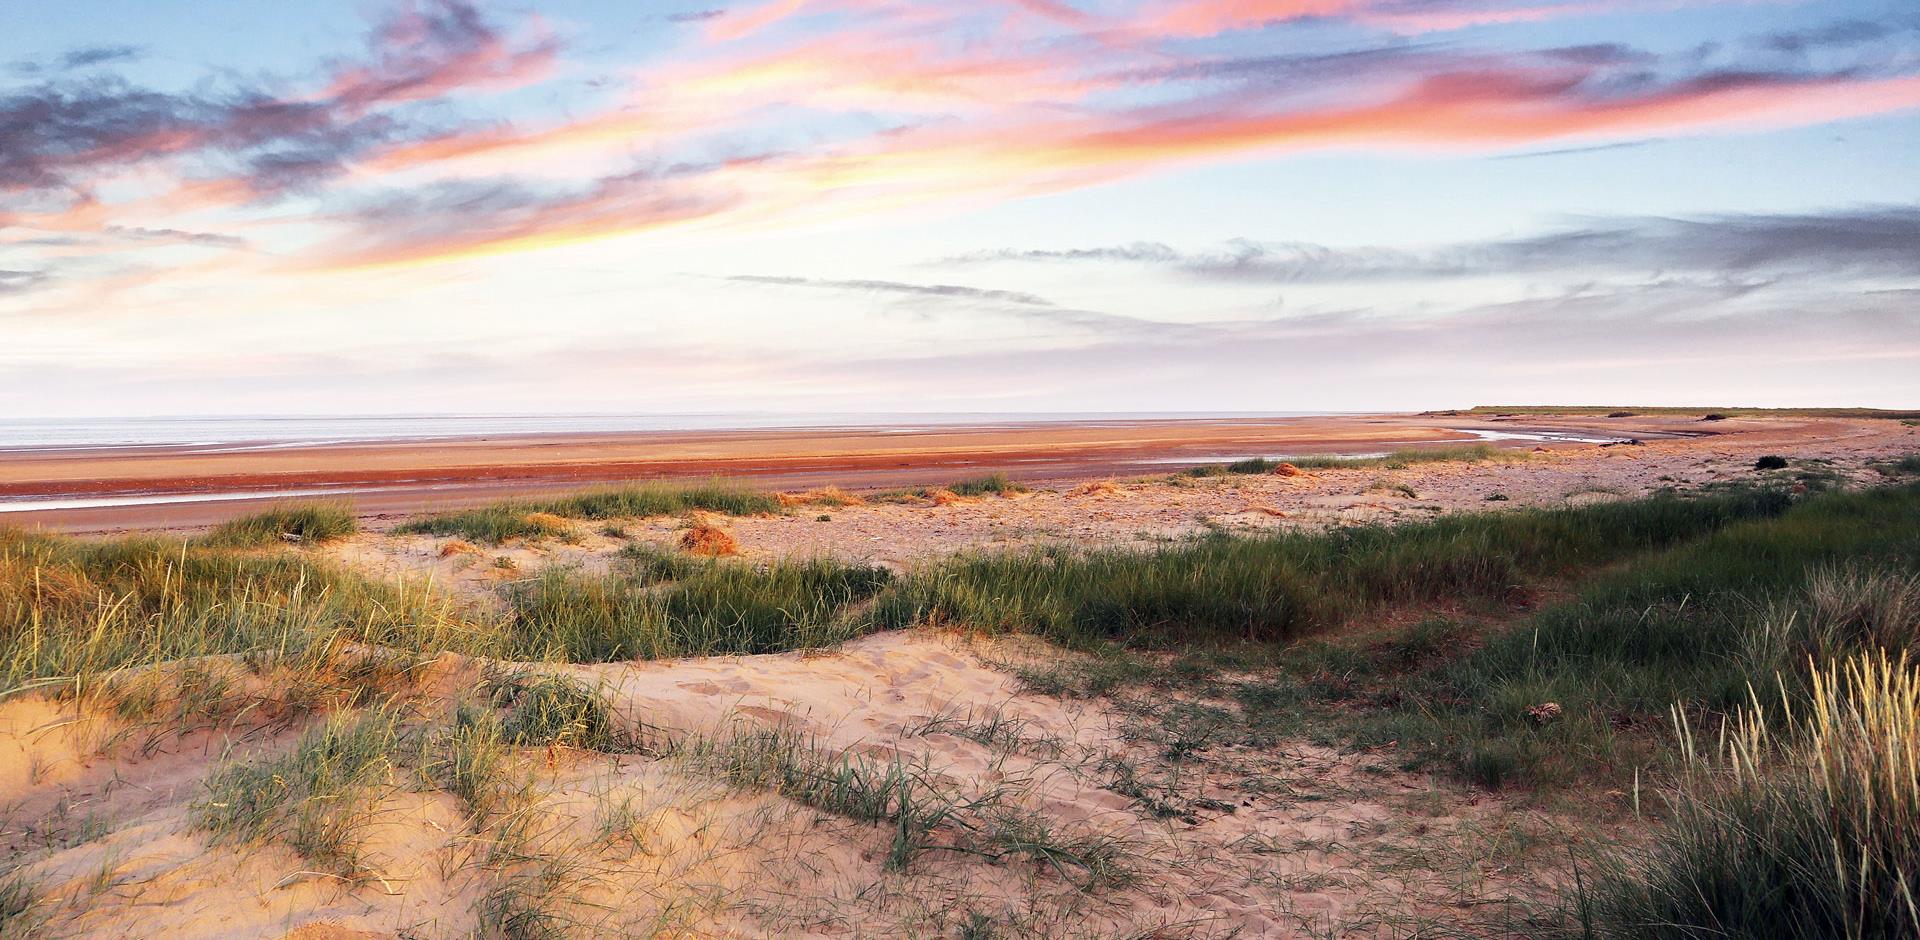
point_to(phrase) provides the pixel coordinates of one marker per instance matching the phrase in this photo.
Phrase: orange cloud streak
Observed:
(1469, 111)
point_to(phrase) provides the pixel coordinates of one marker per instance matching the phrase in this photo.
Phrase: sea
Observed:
(231, 433)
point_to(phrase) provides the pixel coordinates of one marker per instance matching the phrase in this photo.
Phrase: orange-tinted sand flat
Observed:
(399, 476)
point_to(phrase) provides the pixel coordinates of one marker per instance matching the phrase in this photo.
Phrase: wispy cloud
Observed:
(947, 291)
(16, 282)
(1870, 241)
(67, 133)
(1019, 305)
(1044, 121)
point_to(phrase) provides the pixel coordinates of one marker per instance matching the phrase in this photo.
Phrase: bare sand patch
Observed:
(1270, 845)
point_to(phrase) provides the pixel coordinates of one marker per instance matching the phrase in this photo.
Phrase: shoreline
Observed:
(100, 490)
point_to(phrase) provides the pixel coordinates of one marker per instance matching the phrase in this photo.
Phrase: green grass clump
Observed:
(489, 524)
(849, 785)
(1801, 830)
(523, 519)
(660, 499)
(682, 607)
(20, 909)
(1905, 466)
(995, 484)
(1407, 457)
(306, 523)
(1251, 465)
(73, 611)
(547, 709)
(1279, 586)
(314, 799)
(470, 760)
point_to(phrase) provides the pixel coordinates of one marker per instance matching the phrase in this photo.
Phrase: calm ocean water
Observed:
(254, 432)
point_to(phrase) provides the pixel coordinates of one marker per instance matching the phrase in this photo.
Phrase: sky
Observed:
(461, 206)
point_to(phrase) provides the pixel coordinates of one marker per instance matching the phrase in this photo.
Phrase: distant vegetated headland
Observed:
(1722, 673)
(1629, 411)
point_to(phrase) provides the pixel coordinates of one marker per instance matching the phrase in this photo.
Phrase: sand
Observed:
(1268, 844)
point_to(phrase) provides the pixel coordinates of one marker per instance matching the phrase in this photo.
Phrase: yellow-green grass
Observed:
(302, 523)
(1804, 828)
(522, 519)
(1284, 585)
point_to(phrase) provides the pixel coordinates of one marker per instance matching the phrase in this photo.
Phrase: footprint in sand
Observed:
(772, 716)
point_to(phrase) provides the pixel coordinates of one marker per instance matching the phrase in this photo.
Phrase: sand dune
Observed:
(646, 845)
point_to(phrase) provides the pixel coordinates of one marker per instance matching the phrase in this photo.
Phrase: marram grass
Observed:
(530, 519)
(1811, 829)
(303, 523)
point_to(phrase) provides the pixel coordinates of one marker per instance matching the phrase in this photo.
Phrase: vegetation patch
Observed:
(1796, 829)
(75, 611)
(306, 524)
(1615, 411)
(1279, 586)
(1411, 456)
(538, 519)
(21, 911)
(660, 499)
(688, 607)
(905, 796)
(490, 524)
(315, 799)
(994, 484)
(545, 710)
(1905, 466)
(1251, 465)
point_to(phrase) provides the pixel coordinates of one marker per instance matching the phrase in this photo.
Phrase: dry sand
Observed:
(1267, 843)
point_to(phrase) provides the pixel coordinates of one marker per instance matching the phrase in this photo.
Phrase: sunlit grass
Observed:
(532, 519)
(1278, 586)
(1802, 828)
(665, 606)
(300, 523)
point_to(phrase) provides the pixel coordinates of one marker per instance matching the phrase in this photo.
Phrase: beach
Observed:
(105, 488)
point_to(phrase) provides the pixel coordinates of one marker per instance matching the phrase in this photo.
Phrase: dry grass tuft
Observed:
(829, 496)
(549, 521)
(946, 497)
(1288, 470)
(458, 547)
(1096, 488)
(708, 540)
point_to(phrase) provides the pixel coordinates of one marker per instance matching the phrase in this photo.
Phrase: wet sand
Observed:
(157, 487)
